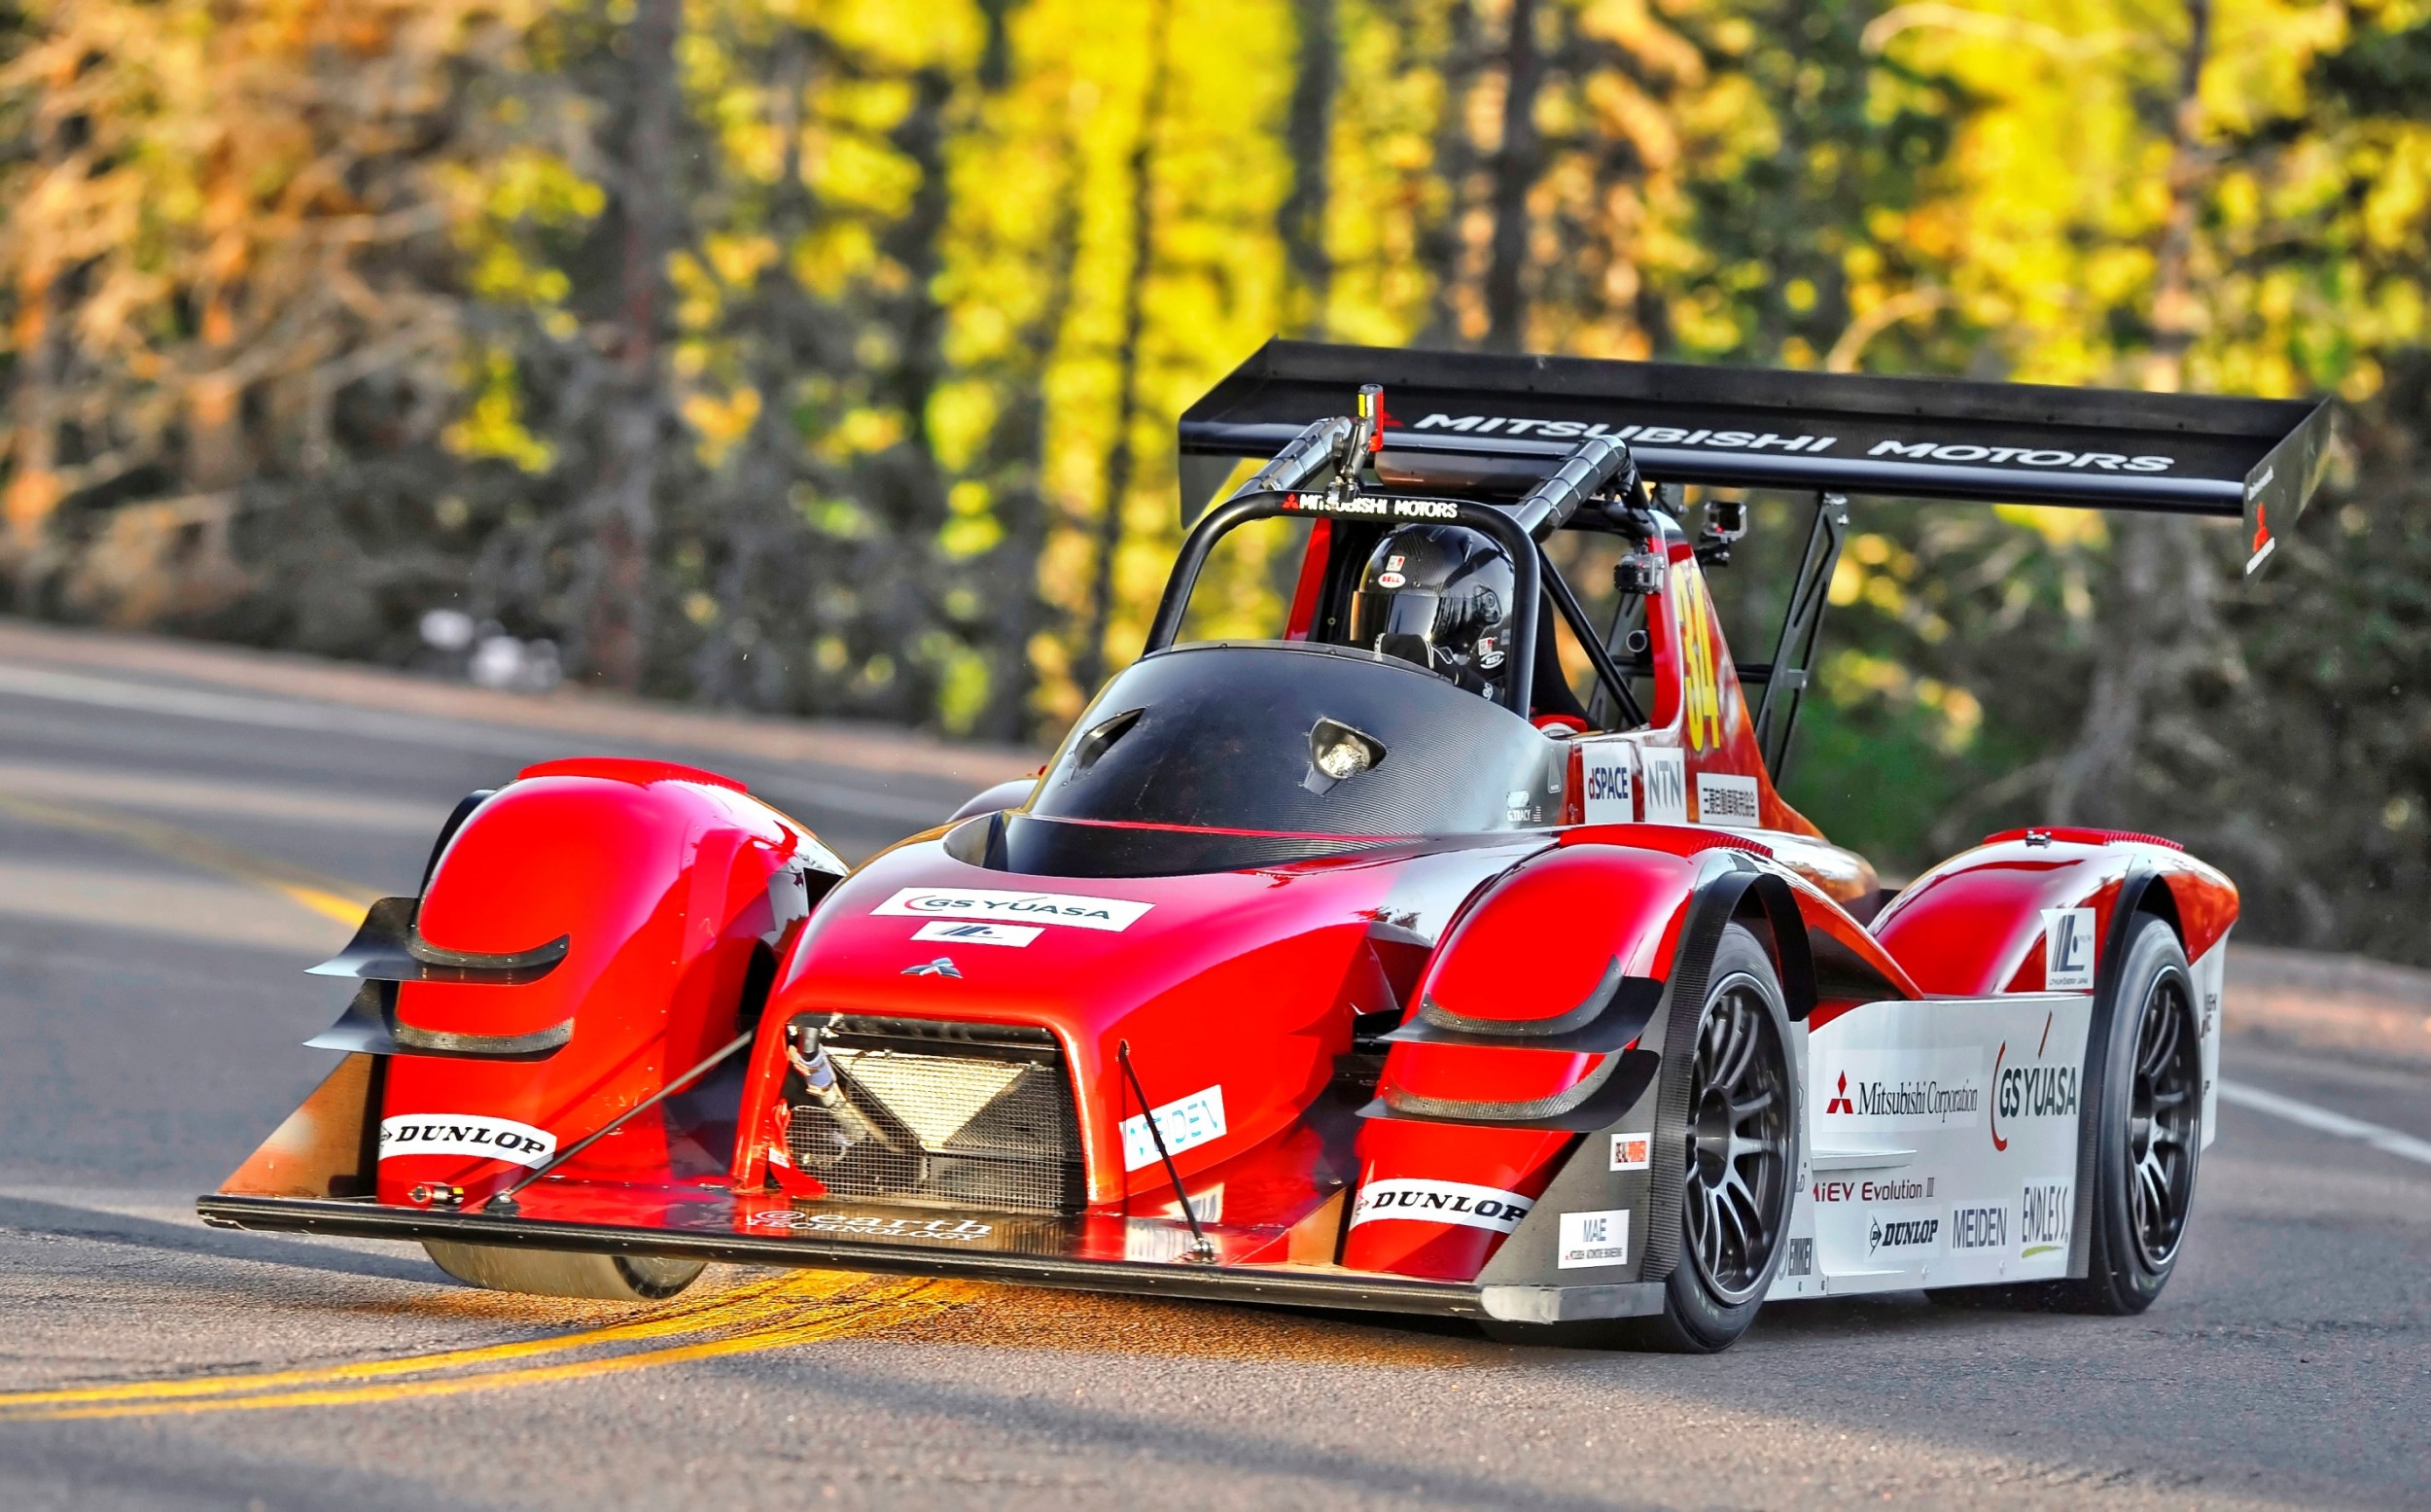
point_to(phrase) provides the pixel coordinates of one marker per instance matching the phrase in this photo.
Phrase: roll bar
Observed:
(1527, 567)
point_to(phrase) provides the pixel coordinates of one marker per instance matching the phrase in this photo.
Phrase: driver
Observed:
(1440, 596)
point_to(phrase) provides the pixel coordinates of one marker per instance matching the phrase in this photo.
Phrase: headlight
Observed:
(1336, 752)
(1343, 759)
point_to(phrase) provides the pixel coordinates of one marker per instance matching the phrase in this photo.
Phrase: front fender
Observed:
(1538, 1019)
(670, 886)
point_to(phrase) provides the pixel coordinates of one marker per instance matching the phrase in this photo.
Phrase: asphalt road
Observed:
(152, 1002)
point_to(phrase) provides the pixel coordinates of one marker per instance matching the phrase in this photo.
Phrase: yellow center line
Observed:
(346, 910)
(773, 1314)
(327, 896)
(872, 1307)
(751, 1305)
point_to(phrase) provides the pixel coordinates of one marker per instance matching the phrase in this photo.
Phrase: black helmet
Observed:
(1440, 596)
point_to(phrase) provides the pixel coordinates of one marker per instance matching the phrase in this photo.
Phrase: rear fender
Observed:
(1539, 1019)
(1975, 925)
(674, 890)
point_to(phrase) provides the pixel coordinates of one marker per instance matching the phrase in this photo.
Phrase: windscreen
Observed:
(1300, 740)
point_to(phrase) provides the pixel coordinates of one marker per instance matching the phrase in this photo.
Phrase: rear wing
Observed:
(1496, 425)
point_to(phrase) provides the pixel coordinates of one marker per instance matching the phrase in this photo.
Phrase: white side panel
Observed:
(1943, 1143)
(1797, 1276)
(2210, 980)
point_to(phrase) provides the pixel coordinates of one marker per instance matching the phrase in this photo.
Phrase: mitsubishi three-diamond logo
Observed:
(1841, 1103)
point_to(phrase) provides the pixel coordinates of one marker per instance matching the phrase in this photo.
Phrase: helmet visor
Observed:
(1399, 623)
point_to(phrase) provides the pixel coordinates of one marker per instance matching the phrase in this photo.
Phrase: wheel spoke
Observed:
(1737, 1045)
(2156, 1203)
(1736, 1185)
(1740, 1112)
(1738, 1225)
(2165, 1042)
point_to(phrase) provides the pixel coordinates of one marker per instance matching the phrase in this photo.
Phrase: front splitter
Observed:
(1288, 1285)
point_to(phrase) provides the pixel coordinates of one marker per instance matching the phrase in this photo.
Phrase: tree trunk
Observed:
(1021, 609)
(2175, 310)
(2158, 622)
(1308, 138)
(33, 490)
(1516, 163)
(620, 507)
(1440, 244)
(906, 484)
(1121, 460)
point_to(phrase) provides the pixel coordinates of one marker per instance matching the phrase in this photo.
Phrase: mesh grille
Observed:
(971, 1124)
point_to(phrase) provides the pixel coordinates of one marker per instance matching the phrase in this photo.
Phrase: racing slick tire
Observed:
(2147, 1138)
(1744, 1127)
(561, 1273)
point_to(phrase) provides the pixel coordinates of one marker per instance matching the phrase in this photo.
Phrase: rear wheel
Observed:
(560, 1272)
(2146, 1135)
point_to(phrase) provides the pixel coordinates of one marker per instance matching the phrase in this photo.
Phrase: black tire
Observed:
(1713, 1293)
(560, 1272)
(2147, 1138)
(1745, 1118)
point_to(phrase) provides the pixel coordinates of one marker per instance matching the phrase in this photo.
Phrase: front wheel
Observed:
(561, 1273)
(1741, 1156)
(1742, 1140)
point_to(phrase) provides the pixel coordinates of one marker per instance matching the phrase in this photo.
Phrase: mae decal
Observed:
(1112, 914)
(466, 1134)
(1441, 1202)
(1594, 1239)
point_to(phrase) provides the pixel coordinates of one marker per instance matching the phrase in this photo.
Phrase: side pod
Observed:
(587, 935)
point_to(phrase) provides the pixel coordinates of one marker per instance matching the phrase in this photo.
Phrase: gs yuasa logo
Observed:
(2031, 1090)
(1069, 910)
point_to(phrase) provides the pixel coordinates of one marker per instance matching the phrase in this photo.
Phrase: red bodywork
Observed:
(694, 911)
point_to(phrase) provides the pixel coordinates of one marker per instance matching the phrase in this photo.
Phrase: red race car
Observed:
(1366, 966)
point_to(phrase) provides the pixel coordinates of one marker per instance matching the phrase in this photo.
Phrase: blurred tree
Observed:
(226, 231)
(822, 355)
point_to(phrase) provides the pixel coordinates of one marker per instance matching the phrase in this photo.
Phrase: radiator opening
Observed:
(932, 1111)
